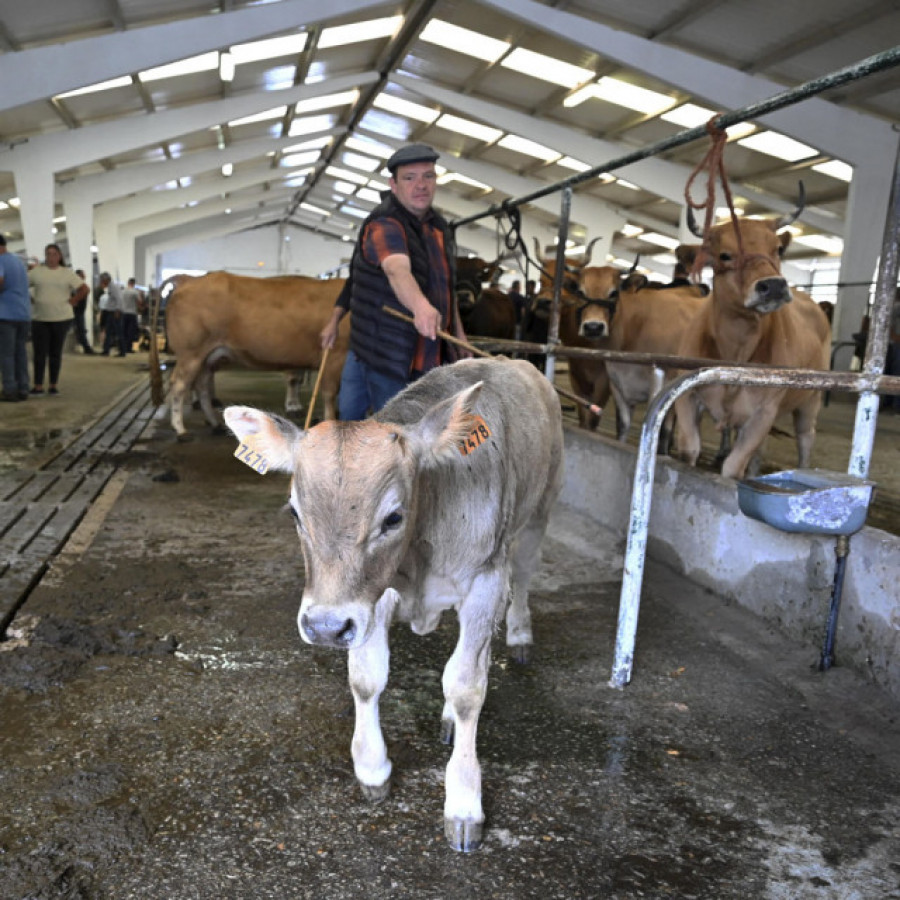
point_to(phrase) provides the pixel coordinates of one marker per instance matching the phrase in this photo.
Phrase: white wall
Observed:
(257, 253)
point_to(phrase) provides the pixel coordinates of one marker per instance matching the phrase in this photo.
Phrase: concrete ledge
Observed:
(697, 529)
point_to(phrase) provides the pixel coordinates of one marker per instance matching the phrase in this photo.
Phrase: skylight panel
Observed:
(312, 144)
(310, 124)
(468, 128)
(660, 240)
(368, 195)
(341, 35)
(640, 99)
(448, 177)
(630, 230)
(688, 115)
(358, 161)
(299, 159)
(271, 48)
(265, 116)
(546, 68)
(355, 211)
(205, 62)
(313, 104)
(405, 108)
(529, 147)
(346, 175)
(836, 169)
(124, 81)
(373, 148)
(378, 185)
(345, 187)
(576, 165)
(462, 40)
(315, 209)
(778, 145)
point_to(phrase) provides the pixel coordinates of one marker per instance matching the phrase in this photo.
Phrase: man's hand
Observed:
(427, 319)
(328, 335)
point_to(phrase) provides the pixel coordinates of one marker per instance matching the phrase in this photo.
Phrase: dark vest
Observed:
(382, 342)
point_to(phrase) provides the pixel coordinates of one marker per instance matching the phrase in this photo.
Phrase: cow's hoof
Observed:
(447, 731)
(182, 438)
(219, 429)
(375, 793)
(520, 653)
(463, 836)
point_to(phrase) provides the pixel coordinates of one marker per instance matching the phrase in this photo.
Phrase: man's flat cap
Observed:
(412, 153)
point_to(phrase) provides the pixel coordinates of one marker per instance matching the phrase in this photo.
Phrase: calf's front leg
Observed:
(367, 667)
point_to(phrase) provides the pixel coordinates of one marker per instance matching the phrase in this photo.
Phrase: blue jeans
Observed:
(364, 390)
(14, 356)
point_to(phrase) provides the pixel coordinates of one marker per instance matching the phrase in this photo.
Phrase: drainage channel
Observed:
(41, 507)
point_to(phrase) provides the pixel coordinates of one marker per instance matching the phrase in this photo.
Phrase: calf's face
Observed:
(353, 497)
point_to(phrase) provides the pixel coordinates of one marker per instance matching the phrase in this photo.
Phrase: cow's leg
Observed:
(465, 685)
(687, 418)
(292, 403)
(749, 440)
(205, 386)
(182, 381)
(525, 560)
(805, 428)
(368, 670)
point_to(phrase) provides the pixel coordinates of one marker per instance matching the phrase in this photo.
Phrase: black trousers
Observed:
(47, 339)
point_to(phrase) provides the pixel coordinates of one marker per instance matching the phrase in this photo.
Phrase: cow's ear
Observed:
(686, 254)
(271, 437)
(444, 426)
(784, 239)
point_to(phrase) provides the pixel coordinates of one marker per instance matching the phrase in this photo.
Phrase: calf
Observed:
(440, 501)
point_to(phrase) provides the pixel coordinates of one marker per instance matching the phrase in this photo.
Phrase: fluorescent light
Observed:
(836, 169)
(447, 177)
(660, 240)
(311, 124)
(468, 128)
(276, 112)
(373, 148)
(834, 246)
(778, 145)
(205, 62)
(340, 35)
(575, 164)
(688, 115)
(3, 205)
(378, 185)
(643, 100)
(299, 159)
(546, 68)
(271, 48)
(345, 187)
(578, 97)
(368, 195)
(358, 161)
(630, 230)
(405, 108)
(226, 67)
(529, 148)
(227, 169)
(124, 81)
(315, 209)
(355, 211)
(314, 104)
(626, 184)
(346, 175)
(452, 37)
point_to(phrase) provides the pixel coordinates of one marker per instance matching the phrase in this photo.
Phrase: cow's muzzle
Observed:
(328, 628)
(769, 294)
(594, 328)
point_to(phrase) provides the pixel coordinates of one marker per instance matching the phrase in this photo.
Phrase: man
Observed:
(131, 300)
(404, 260)
(113, 337)
(15, 314)
(80, 325)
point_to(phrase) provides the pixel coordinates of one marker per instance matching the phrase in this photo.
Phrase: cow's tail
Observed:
(157, 392)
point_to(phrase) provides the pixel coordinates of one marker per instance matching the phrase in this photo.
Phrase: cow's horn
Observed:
(588, 250)
(692, 223)
(784, 221)
(634, 265)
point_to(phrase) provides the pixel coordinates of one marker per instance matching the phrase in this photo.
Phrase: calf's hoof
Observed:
(375, 793)
(463, 835)
(520, 653)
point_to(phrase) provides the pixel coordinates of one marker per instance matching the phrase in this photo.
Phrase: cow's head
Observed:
(746, 260)
(354, 497)
(598, 285)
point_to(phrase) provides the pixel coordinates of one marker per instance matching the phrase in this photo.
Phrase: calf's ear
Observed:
(270, 436)
(442, 428)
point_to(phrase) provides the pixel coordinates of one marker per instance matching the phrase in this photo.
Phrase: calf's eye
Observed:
(391, 520)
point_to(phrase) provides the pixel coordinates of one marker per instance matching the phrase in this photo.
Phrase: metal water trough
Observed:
(812, 501)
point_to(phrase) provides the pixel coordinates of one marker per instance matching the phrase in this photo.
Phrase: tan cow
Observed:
(260, 323)
(752, 315)
(440, 501)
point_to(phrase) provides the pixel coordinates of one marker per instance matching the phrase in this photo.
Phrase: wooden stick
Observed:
(476, 351)
(312, 400)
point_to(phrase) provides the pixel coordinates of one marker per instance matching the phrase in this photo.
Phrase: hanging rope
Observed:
(714, 166)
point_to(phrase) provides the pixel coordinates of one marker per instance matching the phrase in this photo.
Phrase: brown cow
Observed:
(261, 323)
(493, 314)
(438, 502)
(752, 315)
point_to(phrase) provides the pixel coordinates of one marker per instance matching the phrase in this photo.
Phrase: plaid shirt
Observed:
(386, 237)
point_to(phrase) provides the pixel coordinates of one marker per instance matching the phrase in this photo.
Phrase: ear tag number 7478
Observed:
(253, 458)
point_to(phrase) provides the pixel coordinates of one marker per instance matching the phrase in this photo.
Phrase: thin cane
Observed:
(312, 401)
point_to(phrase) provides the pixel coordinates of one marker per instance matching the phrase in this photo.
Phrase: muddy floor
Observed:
(165, 733)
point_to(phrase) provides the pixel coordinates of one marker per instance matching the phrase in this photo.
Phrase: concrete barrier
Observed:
(697, 528)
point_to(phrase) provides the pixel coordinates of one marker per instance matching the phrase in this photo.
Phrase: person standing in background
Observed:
(15, 314)
(79, 309)
(131, 298)
(56, 290)
(113, 337)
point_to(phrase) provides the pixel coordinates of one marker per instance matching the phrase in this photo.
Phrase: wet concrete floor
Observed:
(165, 733)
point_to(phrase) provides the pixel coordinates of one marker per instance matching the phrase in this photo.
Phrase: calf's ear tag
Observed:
(250, 456)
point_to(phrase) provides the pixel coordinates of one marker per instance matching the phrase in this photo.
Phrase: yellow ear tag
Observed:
(478, 434)
(250, 456)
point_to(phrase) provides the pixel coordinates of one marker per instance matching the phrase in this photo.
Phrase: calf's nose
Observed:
(328, 628)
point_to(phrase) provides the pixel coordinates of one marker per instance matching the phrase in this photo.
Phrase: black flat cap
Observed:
(412, 153)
